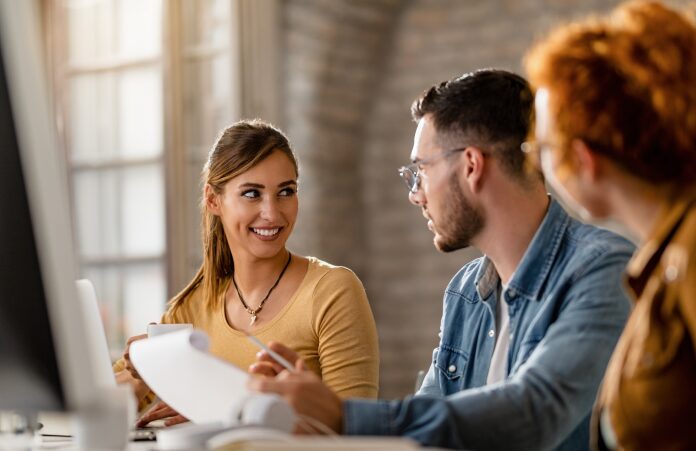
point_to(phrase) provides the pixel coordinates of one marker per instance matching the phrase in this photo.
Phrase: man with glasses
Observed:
(527, 330)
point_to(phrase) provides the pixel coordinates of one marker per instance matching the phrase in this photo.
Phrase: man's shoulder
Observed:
(464, 280)
(587, 242)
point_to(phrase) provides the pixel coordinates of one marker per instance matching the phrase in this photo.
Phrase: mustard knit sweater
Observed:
(327, 321)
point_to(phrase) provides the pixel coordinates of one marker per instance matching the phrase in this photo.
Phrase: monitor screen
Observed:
(44, 359)
(29, 375)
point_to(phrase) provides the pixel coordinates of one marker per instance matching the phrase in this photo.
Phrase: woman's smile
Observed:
(266, 233)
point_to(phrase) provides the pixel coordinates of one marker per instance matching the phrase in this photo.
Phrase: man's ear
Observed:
(586, 160)
(212, 200)
(473, 162)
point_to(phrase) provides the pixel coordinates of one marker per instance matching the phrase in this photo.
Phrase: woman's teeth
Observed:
(266, 232)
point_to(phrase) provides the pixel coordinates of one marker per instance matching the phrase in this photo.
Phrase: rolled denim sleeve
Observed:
(430, 385)
(431, 418)
(544, 399)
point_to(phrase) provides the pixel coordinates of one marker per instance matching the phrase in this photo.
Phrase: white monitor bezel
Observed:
(47, 191)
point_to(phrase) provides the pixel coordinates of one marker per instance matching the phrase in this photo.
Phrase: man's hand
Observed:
(266, 365)
(302, 389)
(161, 411)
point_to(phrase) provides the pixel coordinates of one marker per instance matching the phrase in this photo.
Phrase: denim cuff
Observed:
(367, 417)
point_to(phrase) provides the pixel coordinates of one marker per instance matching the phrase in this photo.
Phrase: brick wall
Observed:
(352, 69)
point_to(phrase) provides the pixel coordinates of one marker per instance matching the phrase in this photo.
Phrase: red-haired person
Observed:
(616, 136)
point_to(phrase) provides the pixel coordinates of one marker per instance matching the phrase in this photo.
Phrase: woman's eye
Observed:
(287, 192)
(251, 194)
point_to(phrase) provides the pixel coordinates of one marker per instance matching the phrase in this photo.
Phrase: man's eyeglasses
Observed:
(411, 174)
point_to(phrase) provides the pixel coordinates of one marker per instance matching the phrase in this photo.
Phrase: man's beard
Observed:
(461, 221)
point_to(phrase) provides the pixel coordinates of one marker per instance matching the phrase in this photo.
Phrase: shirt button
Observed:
(511, 293)
(671, 273)
(452, 369)
(491, 333)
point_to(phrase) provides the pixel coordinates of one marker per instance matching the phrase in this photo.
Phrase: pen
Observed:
(277, 357)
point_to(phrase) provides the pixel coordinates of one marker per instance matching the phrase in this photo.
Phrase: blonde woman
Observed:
(249, 282)
(616, 132)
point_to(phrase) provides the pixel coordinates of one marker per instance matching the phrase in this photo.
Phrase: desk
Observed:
(61, 424)
(296, 444)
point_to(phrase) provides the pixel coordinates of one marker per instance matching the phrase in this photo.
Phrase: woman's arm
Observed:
(348, 346)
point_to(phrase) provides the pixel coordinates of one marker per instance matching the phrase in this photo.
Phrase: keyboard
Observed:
(143, 435)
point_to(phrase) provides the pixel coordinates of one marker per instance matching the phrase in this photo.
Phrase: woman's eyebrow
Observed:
(251, 185)
(287, 183)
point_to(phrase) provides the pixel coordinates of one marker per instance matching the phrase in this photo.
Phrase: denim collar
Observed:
(533, 270)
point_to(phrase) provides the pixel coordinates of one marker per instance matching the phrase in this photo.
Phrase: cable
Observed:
(317, 425)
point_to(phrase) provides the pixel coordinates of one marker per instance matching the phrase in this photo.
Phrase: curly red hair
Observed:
(625, 85)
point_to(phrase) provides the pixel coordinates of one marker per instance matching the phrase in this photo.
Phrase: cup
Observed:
(154, 330)
(105, 423)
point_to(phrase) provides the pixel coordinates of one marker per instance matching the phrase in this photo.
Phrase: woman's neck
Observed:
(254, 276)
(637, 204)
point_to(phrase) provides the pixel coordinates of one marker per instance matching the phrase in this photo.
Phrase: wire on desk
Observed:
(315, 426)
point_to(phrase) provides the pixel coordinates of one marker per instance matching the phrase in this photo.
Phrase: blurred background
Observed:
(143, 87)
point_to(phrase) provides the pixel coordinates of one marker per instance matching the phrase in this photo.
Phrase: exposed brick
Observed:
(352, 69)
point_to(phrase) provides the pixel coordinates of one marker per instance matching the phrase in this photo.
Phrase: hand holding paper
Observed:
(196, 384)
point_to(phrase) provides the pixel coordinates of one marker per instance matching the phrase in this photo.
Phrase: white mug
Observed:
(154, 330)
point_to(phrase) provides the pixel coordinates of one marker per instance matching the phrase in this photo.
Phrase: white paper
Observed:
(198, 385)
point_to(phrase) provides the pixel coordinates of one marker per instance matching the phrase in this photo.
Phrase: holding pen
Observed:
(277, 357)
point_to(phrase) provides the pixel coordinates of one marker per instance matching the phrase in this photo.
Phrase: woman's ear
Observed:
(212, 200)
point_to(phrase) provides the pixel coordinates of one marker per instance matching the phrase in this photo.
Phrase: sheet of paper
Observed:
(198, 385)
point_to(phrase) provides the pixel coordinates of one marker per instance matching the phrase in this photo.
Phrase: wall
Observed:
(352, 69)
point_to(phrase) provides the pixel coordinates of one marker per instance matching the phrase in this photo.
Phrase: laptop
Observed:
(103, 372)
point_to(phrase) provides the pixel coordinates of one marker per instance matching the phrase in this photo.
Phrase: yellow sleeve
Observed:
(348, 346)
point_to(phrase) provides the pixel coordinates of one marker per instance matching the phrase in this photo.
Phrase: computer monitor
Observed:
(43, 361)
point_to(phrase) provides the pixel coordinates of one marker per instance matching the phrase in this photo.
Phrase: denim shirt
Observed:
(567, 309)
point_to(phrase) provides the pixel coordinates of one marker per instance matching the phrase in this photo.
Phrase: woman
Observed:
(249, 283)
(616, 131)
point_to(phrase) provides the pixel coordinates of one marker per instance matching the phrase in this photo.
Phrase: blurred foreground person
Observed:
(616, 136)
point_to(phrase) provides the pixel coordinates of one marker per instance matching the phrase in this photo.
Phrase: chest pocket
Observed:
(451, 362)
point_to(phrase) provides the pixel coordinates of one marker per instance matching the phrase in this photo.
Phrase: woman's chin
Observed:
(268, 249)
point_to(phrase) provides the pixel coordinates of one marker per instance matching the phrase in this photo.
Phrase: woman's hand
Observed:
(129, 375)
(126, 356)
(266, 365)
(161, 411)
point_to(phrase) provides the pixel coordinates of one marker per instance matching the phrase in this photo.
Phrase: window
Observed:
(108, 70)
(142, 89)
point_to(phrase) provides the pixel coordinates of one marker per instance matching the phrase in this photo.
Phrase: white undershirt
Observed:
(498, 370)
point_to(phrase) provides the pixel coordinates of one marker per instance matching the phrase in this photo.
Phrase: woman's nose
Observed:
(270, 210)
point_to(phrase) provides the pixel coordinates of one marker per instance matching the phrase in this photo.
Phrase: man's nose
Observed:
(417, 198)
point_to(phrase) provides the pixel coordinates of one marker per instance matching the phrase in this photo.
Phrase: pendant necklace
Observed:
(254, 312)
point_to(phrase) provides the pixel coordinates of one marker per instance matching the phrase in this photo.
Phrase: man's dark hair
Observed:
(488, 108)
